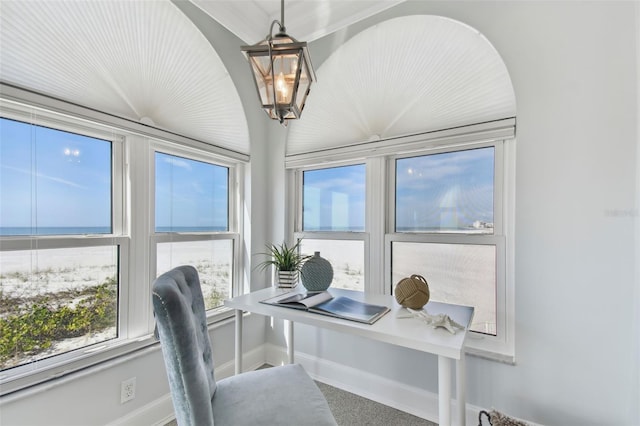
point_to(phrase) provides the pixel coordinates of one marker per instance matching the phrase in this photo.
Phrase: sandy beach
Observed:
(28, 274)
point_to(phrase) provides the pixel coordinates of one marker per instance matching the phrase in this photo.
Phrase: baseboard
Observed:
(410, 399)
(406, 398)
(160, 411)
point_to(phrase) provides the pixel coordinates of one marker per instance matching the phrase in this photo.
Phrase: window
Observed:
(192, 212)
(60, 266)
(448, 225)
(332, 221)
(440, 205)
(449, 194)
(90, 213)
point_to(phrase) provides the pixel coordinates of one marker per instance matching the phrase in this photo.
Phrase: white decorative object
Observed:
(288, 279)
(439, 320)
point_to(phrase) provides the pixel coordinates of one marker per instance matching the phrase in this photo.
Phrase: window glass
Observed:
(346, 258)
(212, 258)
(191, 196)
(334, 199)
(55, 300)
(53, 182)
(448, 192)
(462, 274)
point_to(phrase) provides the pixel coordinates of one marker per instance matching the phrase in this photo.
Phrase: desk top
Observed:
(407, 332)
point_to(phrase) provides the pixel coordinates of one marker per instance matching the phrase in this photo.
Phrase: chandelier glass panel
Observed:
(282, 72)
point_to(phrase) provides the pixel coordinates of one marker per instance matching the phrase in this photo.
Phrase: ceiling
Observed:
(404, 76)
(401, 76)
(118, 57)
(305, 20)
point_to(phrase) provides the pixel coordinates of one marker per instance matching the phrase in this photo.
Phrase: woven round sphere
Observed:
(412, 292)
(316, 273)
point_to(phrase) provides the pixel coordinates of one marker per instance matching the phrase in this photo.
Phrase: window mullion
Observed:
(375, 225)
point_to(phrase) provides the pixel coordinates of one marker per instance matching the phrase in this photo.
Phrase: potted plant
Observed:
(287, 262)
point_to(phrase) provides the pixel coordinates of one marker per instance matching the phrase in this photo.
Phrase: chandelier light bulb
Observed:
(281, 88)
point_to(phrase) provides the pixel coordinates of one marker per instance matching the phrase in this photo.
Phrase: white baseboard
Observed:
(406, 398)
(410, 399)
(160, 411)
(416, 401)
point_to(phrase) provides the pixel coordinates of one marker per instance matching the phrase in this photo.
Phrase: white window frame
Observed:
(499, 346)
(42, 370)
(380, 157)
(235, 176)
(299, 233)
(130, 220)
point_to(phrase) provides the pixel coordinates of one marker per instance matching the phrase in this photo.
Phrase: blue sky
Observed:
(53, 178)
(433, 192)
(50, 178)
(445, 191)
(334, 199)
(190, 194)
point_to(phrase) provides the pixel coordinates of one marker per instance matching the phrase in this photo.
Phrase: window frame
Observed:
(131, 186)
(235, 174)
(299, 233)
(499, 346)
(35, 372)
(380, 159)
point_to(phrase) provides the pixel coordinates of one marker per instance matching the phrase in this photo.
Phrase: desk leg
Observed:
(461, 386)
(238, 360)
(444, 391)
(289, 325)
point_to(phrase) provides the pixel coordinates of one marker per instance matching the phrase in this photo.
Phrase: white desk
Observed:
(409, 333)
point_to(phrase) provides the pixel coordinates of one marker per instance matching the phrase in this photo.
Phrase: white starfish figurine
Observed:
(439, 320)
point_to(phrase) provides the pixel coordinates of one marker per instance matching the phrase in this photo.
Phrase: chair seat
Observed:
(275, 396)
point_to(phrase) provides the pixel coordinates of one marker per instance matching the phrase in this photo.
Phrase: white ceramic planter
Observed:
(287, 279)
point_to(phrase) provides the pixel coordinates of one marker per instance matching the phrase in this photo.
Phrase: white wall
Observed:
(574, 70)
(92, 397)
(573, 67)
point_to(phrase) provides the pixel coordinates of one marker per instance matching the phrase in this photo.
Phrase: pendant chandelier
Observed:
(282, 71)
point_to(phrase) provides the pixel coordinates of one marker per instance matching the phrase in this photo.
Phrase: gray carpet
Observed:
(353, 410)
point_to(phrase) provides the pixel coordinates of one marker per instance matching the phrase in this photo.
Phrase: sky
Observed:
(448, 191)
(190, 194)
(51, 178)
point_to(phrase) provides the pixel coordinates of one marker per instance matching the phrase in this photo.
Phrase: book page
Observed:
(306, 300)
(344, 307)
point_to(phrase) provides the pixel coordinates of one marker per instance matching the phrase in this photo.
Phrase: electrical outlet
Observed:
(127, 390)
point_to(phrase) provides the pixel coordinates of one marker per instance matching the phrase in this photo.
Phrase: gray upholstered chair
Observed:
(275, 396)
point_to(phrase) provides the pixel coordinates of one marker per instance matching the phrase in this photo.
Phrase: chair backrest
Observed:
(182, 328)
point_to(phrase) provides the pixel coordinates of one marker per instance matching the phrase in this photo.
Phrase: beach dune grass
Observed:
(31, 327)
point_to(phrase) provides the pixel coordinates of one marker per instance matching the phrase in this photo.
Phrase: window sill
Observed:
(497, 353)
(28, 379)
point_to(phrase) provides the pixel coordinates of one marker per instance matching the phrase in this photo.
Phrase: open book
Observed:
(322, 302)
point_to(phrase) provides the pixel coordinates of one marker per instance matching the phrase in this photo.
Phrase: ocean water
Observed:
(6, 231)
(53, 230)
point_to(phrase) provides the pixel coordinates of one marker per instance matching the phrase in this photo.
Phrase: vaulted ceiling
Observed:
(146, 61)
(142, 60)
(305, 20)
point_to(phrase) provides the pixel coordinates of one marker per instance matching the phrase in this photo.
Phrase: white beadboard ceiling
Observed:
(403, 76)
(305, 20)
(142, 60)
(146, 61)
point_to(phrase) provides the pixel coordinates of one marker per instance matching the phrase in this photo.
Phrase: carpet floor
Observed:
(353, 410)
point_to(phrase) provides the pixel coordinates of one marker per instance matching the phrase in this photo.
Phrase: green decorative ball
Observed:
(412, 292)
